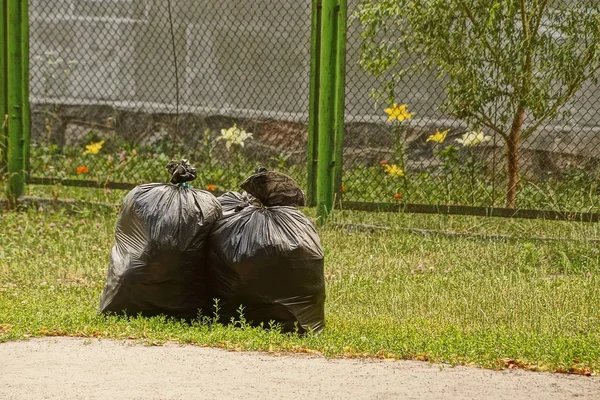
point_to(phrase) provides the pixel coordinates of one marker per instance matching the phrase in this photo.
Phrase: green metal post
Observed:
(16, 176)
(25, 83)
(326, 111)
(340, 96)
(313, 111)
(3, 100)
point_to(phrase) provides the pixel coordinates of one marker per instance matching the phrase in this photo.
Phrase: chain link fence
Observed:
(118, 87)
(432, 158)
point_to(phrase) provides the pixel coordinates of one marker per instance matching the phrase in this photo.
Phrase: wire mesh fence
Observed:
(426, 156)
(118, 87)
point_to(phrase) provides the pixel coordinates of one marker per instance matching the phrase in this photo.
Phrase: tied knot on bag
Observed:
(181, 172)
(273, 188)
(247, 200)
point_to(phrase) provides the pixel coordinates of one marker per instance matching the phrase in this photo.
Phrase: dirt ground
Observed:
(64, 368)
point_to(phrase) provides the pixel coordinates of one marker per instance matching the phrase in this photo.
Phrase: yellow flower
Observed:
(438, 136)
(393, 170)
(93, 148)
(398, 112)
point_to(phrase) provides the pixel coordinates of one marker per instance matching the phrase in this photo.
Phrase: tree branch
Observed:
(528, 59)
(485, 120)
(484, 40)
(524, 21)
(562, 99)
(539, 18)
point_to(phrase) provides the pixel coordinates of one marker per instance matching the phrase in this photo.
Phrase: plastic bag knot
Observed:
(181, 171)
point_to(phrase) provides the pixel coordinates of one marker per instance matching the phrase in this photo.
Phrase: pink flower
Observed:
(412, 272)
(588, 275)
(97, 225)
(420, 267)
(52, 225)
(19, 228)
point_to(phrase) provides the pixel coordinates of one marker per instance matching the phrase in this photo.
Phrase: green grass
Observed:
(391, 293)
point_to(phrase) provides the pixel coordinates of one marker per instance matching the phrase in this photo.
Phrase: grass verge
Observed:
(395, 293)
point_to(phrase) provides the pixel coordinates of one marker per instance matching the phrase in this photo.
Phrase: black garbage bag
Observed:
(270, 261)
(273, 188)
(158, 263)
(233, 202)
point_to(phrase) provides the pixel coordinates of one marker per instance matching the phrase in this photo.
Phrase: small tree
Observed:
(508, 65)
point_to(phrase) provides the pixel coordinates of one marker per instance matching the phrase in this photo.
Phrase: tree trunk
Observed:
(512, 157)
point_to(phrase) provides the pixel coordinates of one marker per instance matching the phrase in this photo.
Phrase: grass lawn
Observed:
(528, 300)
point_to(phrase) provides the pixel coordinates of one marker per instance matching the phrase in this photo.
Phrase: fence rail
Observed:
(119, 87)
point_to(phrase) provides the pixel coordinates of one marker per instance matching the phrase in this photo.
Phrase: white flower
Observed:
(473, 138)
(234, 135)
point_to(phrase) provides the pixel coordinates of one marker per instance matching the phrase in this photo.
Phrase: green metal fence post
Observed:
(25, 84)
(3, 100)
(16, 176)
(340, 96)
(313, 112)
(326, 111)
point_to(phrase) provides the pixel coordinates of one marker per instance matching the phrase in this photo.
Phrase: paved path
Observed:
(64, 368)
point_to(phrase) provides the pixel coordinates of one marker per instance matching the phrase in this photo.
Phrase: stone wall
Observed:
(365, 144)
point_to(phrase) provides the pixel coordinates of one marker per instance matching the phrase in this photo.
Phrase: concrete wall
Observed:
(243, 55)
(230, 55)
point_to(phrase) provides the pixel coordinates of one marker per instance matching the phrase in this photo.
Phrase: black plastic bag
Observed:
(270, 261)
(233, 202)
(158, 263)
(272, 188)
